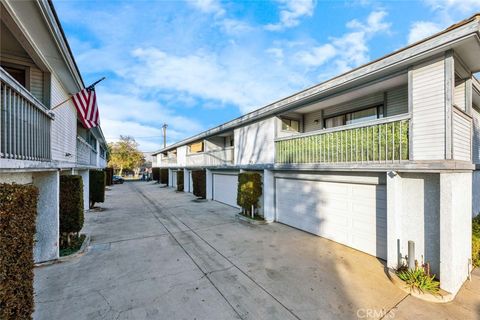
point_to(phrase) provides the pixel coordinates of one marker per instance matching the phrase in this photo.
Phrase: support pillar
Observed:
(268, 195)
(209, 178)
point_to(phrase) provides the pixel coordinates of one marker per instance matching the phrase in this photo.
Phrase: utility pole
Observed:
(164, 127)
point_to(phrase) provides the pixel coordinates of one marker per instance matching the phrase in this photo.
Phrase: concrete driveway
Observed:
(157, 254)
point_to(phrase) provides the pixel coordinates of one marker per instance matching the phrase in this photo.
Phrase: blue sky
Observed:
(197, 64)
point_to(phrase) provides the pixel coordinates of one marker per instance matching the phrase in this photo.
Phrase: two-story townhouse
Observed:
(384, 154)
(39, 142)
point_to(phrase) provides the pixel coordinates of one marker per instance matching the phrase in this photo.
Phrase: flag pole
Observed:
(66, 100)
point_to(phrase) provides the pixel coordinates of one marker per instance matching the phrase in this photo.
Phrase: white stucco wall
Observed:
(182, 156)
(254, 143)
(413, 214)
(48, 224)
(16, 177)
(85, 174)
(455, 229)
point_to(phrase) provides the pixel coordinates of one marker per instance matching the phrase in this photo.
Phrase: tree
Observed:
(124, 154)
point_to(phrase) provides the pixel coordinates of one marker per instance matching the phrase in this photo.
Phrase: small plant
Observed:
(476, 241)
(199, 181)
(249, 191)
(96, 187)
(71, 207)
(156, 174)
(164, 176)
(419, 279)
(180, 180)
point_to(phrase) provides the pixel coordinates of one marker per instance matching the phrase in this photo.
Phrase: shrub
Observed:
(71, 204)
(199, 181)
(164, 176)
(18, 210)
(180, 180)
(97, 187)
(156, 174)
(418, 279)
(476, 241)
(249, 190)
(108, 176)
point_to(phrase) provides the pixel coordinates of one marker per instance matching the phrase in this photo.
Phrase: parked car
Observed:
(118, 180)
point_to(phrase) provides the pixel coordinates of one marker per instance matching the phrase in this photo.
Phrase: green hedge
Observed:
(156, 174)
(199, 180)
(249, 190)
(476, 241)
(164, 176)
(18, 211)
(96, 187)
(71, 204)
(108, 176)
(180, 180)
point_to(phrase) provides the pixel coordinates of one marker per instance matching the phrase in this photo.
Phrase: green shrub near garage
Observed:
(18, 211)
(71, 204)
(164, 176)
(199, 181)
(476, 241)
(249, 190)
(108, 176)
(156, 174)
(96, 187)
(180, 180)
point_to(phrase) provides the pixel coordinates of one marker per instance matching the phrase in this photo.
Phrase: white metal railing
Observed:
(211, 158)
(379, 140)
(86, 154)
(24, 123)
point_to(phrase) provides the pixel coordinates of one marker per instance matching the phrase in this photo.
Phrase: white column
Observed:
(170, 177)
(98, 153)
(394, 214)
(85, 174)
(48, 219)
(268, 195)
(209, 177)
(186, 180)
(455, 229)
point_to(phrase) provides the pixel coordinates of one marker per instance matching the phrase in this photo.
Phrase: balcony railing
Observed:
(381, 141)
(219, 157)
(86, 154)
(24, 123)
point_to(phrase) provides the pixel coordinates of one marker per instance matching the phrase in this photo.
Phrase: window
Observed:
(290, 125)
(17, 74)
(355, 117)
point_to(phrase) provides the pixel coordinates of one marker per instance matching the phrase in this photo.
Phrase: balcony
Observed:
(379, 141)
(24, 123)
(219, 157)
(86, 154)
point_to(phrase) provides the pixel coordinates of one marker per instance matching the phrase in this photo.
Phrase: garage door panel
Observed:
(225, 188)
(348, 213)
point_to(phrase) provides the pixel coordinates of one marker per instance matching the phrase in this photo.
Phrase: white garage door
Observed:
(174, 179)
(349, 213)
(225, 188)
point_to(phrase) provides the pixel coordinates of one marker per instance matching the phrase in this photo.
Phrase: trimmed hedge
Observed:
(156, 174)
(199, 180)
(180, 180)
(249, 190)
(164, 176)
(476, 241)
(18, 211)
(96, 187)
(71, 204)
(108, 176)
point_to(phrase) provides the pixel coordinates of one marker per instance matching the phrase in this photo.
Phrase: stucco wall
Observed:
(254, 143)
(413, 214)
(17, 177)
(182, 155)
(85, 174)
(48, 224)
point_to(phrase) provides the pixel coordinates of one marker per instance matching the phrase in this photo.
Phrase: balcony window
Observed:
(355, 117)
(17, 74)
(290, 125)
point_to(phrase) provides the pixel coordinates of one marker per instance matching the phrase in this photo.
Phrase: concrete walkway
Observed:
(157, 254)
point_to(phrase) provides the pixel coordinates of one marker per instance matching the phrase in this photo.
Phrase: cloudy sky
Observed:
(196, 64)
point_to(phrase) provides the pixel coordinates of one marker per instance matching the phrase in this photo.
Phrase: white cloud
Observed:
(422, 29)
(351, 49)
(461, 6)
(209, 6)
(291, 13)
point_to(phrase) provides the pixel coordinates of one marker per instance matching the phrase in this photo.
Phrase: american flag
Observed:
(86, 103)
